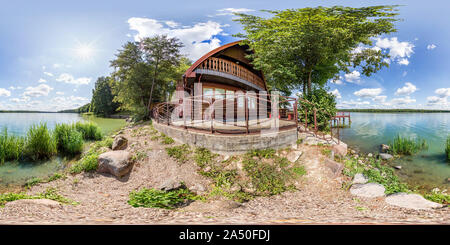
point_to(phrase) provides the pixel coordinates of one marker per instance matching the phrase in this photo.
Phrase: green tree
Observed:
(145, 73)
(102, 98)
(298, 47)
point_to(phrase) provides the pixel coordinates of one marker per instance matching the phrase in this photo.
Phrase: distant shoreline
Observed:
(394, 110)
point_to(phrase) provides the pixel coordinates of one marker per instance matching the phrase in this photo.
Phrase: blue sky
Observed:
(52, 52)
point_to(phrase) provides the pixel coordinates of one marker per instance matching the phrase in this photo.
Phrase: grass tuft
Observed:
(180, 153)
(407, 146)
(152, 198)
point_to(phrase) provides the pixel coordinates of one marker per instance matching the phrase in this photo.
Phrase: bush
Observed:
(40, 143)
(68, 139)
(89, 130)
(11, 147)
(324, 102)
(407, 146)
(152, 198)
(89, 162)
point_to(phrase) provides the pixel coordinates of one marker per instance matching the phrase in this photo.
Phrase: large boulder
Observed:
(35, 202)
(335, 167)
(411, 201)
(117, 163)
(359, 179)
(367, 190)
(120, 143)
(386, 156)
(293, 156)
(171, 184)
(340, 150)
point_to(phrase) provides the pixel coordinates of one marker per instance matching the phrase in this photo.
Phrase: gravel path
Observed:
(103, 199)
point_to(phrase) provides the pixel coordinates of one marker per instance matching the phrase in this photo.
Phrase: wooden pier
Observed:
(339, 119)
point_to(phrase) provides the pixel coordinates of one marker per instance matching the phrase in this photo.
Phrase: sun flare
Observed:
(84, 51)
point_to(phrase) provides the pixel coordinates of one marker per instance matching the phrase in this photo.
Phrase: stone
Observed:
(120, 143)
(360, 161)
(171, 184)
(293, 156)
(335, 167)
(398, 167)
(38, 202)
(370, 190)
(353, 152)
(386, 156)
(207, 169)
(359, 179)
(370, 155)
(384, 148)
(226, 157)
(340, 150)
(411, 201)
(448, 180)
(117, 163)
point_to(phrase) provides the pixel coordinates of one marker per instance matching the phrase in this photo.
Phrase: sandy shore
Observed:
(102, 199)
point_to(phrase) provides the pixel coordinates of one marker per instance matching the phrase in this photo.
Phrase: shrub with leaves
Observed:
(152, 198)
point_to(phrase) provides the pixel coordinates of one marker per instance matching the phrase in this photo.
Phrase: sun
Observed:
(84, 51)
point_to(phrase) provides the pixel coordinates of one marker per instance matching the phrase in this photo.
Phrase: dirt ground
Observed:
(102, 198)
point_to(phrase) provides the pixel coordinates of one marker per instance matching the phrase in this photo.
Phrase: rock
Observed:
(117, 163)
(171, 184)
(340, 150)
(198, 188)
(385, 156)
(353, 152)
(367, 190)
(293, 156)
(360, 161)
(226, 157)
(384, 148)
(370, 155)
(294, 147)
(120, 143)
(213, 206)
(356, 156)
(39, 202)
(359, 179)
(207, 169)
(398, 167)
(335, 167)
(411, 201)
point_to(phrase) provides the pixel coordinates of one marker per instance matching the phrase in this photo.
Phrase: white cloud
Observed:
(353, 77)
(41, 80)
(399, 51)
(353, 103)
(368, 92)
(435, 100)
(48, 74)
(443, 92)
(402, 101)
(197, 39)
(60, 93)
(408, 89)
(68, 78)
(41, 90)
(431, 46)
(336, 93)
(232, 11)
(380, 98)
(4, 92)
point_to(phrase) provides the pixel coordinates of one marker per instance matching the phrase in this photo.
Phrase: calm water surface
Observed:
(15, 173)
(426, 169)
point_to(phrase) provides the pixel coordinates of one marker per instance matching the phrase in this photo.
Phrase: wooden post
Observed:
(246, 113)
(167, 111)
(315, 119)
(295, 114)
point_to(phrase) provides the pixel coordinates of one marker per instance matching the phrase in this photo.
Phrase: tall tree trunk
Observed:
(309, 82)
(151, 91)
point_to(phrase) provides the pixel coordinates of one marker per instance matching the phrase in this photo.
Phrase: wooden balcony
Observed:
(228, 67)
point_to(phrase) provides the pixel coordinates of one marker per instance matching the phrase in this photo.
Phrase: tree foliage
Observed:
(145, 73)
(102, 103)
(325, 105)
(298, 47)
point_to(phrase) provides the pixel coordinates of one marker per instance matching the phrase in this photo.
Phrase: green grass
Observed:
(407, 146)
(89, 130)
(203, 156)
(180, 153)
(68, 139)
(50, 193)
(40, 143)
(152, 198)
(438, 197)
(166, 140)
(87, 163)
(11, 147)
(447, 149)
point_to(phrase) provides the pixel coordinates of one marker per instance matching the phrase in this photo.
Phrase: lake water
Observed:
(428, 168)
(15, 173)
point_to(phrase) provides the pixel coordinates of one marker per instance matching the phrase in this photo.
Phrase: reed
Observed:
(68, 139)
(89, 130)
(40, 143)
(407, 146)
(11, 147)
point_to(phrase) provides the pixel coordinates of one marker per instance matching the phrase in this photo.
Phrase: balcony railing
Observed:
(225, 66)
